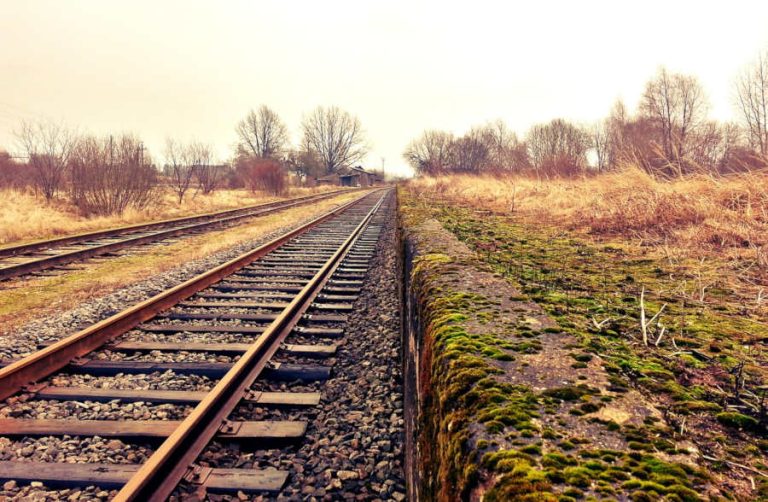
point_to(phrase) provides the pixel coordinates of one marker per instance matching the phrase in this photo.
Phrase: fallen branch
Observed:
(700, 355)
(599, 325)
(644, 325)
(734, 464)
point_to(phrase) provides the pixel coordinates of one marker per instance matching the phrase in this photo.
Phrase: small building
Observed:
(331, 179)
(351, 177)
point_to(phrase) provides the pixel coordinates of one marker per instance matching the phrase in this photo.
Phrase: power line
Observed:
(20, 111)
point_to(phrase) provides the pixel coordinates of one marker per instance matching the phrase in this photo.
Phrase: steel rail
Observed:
(36, 366)
(24, 268)
(7, 251)
(168, 465)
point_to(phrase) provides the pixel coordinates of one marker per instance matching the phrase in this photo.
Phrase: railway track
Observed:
(269, 315)
(39, 256)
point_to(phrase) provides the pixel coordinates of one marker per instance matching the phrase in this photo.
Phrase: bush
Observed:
(267, 175)
(14, 174)
(109, 175)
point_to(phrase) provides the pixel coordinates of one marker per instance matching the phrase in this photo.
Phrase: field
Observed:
(714, 213)
(716, 228)
(660, 291)
(25, 216)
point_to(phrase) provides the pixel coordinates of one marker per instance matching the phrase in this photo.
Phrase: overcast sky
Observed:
(191, 70)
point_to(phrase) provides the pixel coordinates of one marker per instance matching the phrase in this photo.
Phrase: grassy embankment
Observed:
(21, 300)
(586, 252)
(26, 217)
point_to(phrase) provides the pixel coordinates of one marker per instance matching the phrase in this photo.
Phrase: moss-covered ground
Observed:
(550, 393)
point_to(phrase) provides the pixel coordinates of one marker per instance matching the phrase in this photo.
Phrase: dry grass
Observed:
(713, 232)
(26, 217)
(25, 299)
(696, 212)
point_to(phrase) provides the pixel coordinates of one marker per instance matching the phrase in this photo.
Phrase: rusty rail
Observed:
(114, 231)
(28, 267)
(160, 475)
(30, 369)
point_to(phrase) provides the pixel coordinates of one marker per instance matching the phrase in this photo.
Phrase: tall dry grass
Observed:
(26, 217)
(693, 213)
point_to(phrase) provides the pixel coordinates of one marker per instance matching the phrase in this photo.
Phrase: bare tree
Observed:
(752, 100)
(488, 148)
(262, 134)
(558, 148)
(616, 130)
(180, 169)
(601, 144)
(471, 152)
(722, 148)
(505, 151)
(208, 174)
(707, 147)
(336, 136)
(13, 174)
(735, 154)
(303, 163)
(431, 153)
(111, 174)
(677, 104)
(48, 147)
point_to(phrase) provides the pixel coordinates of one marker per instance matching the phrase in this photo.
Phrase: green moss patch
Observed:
(480, 431)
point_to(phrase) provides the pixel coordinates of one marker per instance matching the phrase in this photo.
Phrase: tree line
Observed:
(108, 174)
(669, 135)
(331, 138)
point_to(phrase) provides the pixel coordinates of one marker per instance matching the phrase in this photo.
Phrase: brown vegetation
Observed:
(666, 337)
(694, 214)
(262, 134)
(490, 148)
(558, 148)
(752, 92)
(12, 174)
(24, 217)
(113, 174)
(185, 162)
(46, 295)
(109, 175)
(267, 175)
(48, 147)
(669, 136)
(336, 137)
(179, 167)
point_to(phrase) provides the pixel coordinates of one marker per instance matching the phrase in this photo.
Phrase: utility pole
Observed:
(383, 173)
(141, 149)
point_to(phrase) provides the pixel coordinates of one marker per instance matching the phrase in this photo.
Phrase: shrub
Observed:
(109, 175)
(267, 175)
(14, 174)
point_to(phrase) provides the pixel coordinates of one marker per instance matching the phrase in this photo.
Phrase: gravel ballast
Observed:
(26, 339)
(354, 444)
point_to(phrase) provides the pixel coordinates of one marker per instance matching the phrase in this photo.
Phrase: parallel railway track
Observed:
(35, 257)
(270, 314)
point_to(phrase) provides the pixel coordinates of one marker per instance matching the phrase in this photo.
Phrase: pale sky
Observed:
(192, 69)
